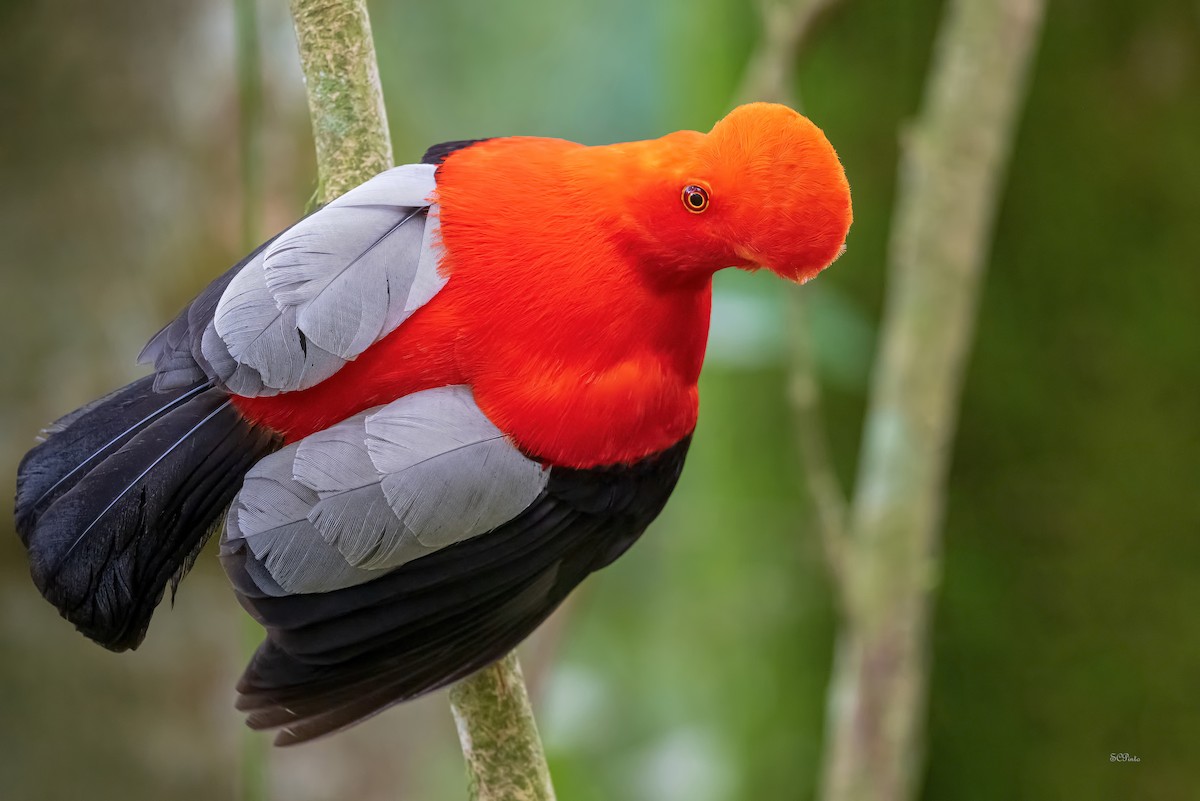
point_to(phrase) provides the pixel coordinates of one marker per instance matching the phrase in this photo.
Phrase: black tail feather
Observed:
(79, 441)
(122, 495)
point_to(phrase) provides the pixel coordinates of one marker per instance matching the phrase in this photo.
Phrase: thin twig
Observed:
(825, 491)
(786, 26)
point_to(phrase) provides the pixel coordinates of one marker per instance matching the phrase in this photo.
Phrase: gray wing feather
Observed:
(261, 350)
(446, 468)
(407, 185)
(170, 353)
(341, 269)
(178, 370)
(380, 489)
(299, 561)
(270, 518)
(294, 312)
(353, 514)
(428, 280)
(335, 460)
(251, 332)
(361, 525)
(344, 266)
(239, 378)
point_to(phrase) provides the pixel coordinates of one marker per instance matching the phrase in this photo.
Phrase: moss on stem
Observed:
(345, 100)
(499, 735)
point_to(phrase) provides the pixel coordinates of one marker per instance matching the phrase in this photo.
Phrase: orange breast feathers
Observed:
(579, 281)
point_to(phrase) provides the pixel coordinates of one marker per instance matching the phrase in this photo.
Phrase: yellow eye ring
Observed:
(695, 198)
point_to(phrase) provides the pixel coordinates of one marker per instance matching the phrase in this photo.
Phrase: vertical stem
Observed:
(253, 780)
(345, 99)
(495, 721)
(953, 160)
(499, 735)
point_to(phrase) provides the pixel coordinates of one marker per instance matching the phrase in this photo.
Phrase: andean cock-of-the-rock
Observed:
(426, 412)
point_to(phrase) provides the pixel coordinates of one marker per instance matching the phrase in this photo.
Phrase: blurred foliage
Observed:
(695, 667)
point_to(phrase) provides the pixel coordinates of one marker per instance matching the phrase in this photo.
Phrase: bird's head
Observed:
(764, 188)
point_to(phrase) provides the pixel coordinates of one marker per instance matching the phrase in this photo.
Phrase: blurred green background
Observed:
(695, 668)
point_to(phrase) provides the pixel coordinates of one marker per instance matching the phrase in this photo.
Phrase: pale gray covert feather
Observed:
(318, 295)
(378, 490)
(255, 348)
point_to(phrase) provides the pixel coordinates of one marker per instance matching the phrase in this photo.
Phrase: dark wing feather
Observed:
(490, 636)
(438, 153)
(175, 350)
(83, 439)
(335, 658)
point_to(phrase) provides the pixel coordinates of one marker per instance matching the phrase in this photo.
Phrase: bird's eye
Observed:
(695, 198)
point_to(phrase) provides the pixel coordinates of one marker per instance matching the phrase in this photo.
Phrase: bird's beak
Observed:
(800, 275)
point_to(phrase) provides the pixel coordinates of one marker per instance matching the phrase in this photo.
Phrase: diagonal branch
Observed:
(829, 501)
(885, 561)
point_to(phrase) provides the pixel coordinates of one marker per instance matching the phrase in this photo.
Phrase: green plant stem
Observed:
(495, 721)
(345, 99)
(499, 735)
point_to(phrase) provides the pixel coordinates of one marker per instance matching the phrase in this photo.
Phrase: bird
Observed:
(424, 413)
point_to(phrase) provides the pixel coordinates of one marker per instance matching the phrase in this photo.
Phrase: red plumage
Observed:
(580, 284)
